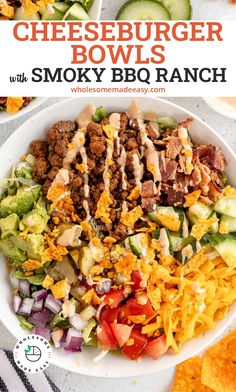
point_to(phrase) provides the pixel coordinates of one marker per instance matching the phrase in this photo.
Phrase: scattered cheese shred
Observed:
(59, 289)
(134, 195)
(48, 282)
(14, 103)
(202, 226)
(170, 222)
(129, 218)
(103, 207)
(223, 229)
(31, 265)
(192, 198)
(109, 131)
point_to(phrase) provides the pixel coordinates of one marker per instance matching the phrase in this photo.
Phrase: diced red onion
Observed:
(50, 317)
(37, 306)
(72, 349)
(39, 319)
(103, 287)
(57, 335)
(73, 338)
(40, 294)
(14, 282)
(52, 304)
(44, 332)
(85, 284)
(16, 303)
(63, 338)
(26, 307)
(77, 322)
(25, 287)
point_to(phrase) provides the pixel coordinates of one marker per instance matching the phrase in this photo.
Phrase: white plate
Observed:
(5, 117)
(95, 10)
(17, 145)
(221, 107)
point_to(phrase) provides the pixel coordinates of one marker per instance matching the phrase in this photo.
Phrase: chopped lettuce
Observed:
(34, 279)
(24, 323)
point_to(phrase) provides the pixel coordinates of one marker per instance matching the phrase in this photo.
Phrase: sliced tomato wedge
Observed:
(139, 343)
(136, 278)
(105, 336)
(114, 297)
(121, 332)
(134, 308)
(156, 347)
(108, 314)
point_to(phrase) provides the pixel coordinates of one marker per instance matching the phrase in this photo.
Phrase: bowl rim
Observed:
(138, 371)
(7, 117)
(210, 101)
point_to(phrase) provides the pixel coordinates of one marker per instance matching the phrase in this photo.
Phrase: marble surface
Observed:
(69, 382)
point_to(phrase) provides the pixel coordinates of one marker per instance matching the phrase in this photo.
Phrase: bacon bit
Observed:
(31, 265)
(87, 297)
(8, 12)
(56, 191)
(59, 289)
(202, 226)
(192, 198)
(134, 195)
(129, 218)
(126, 264)
(28, 273)
(81, 167)
(103, 207)
(130, 342)
(48, 282)
(170, 222)
(139, 319)
(223, 229)
(109, 131)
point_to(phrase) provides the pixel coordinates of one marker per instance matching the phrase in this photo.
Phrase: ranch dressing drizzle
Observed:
(86, 115)
(138, 170)
(114, 120)
(122, 162)
(152, 118)
(62, 178)
(106, 173)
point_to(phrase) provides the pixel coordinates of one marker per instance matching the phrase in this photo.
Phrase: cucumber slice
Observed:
(178, 9)
(53, 13)
(227, 250)
(226, 206)
(176, 242)
(231, 223)
(61, 7)
(139, 244)
(198, 211)
(20, 15)
(143, 10)
(166, 122)
(76, 12)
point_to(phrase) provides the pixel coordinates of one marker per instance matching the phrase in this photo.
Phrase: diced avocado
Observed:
(9, 225)
(76, 12)
(139, 244)
(8, 206)
(227, 250)
(36, 220)
(230, 223)
(66, 269)
(226, 205)
(86, 261)
(25, 198)
(9, 250)
(198, 211)
(33, 245)
(166, 122)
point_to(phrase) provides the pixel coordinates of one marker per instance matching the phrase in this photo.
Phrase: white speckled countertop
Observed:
(69, 382)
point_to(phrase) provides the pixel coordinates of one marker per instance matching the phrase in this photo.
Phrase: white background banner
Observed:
(188, 59)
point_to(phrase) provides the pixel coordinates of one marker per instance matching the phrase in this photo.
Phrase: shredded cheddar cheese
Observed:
(202, 226)
(170, 222)
(192, 198)
(48, 282)
(31, 265)
(103, 207)
(109, 131)
(14, 103)
(135, 193)
(131, 217)
(59, 289)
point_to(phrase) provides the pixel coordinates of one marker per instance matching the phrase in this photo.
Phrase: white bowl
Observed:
(5, 116)
(221, 107)
(17, 145)
(95, 10)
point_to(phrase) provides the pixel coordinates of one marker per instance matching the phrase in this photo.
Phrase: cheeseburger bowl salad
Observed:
(119, 232)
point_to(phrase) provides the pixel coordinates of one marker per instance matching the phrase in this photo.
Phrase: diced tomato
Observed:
(134, 308)
(114, 297)
(105, 336)
(139, 343)
(156, 347)
(136, 278)
(108, 314)
(121, 332)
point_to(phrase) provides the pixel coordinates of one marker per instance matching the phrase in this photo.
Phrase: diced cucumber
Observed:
(169, 211)
(230, 222)
(55, 11)
(61, 7)
(178, 9)
(139, 244)
(143, 10)
(87, 313)
(166, 122)
(227, 250)
(76, 12)
(226, 206)
(20, 15)
(176, 242)
(85, 260)
(198, 211)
